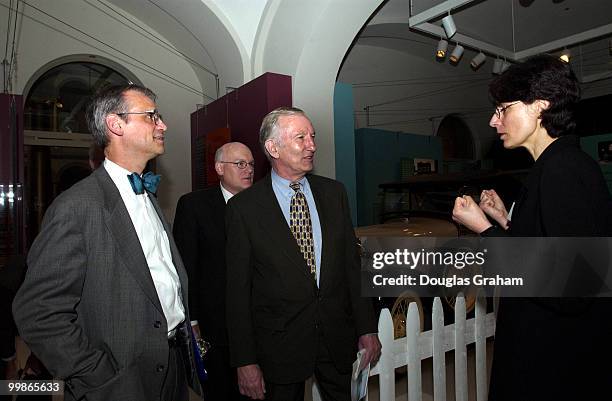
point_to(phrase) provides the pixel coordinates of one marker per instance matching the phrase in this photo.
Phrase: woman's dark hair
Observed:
(542, 77)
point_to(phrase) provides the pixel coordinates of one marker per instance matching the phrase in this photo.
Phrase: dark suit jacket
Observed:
(274, 308)
(199, 231)
(547, 348)
(88, 307)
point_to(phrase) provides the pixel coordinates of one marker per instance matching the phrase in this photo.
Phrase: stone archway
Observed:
(312, 55)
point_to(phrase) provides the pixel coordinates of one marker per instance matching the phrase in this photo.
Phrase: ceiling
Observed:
(207, 44)
(512, 29)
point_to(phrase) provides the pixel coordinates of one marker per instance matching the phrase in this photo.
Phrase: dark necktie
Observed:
(301, 226)
(149, 181)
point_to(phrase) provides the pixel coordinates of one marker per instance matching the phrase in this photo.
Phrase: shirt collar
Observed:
(117, 172)
(119, 176)
(283, 184)
(227, 195)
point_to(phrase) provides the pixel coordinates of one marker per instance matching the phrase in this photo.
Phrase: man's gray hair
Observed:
(107, 101)
(219, 154)
(269, 125)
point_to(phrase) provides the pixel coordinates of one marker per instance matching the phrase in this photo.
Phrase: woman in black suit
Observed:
(546, 348)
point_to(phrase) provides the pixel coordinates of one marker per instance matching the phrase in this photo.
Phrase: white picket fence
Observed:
(417, 346)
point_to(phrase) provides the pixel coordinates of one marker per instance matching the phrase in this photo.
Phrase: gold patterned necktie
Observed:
(301, 226)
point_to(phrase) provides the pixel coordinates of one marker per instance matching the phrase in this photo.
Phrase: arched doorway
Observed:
(56, 138)
(457, 138)
(459, 145)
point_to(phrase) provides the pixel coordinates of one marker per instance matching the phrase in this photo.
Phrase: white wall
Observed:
(39, 44)
(244, 17)
(308, 40)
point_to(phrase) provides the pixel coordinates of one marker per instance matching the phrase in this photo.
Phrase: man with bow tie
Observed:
(104, 302)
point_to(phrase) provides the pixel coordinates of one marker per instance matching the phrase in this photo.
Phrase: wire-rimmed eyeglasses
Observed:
(241, 164)
(499, 110)
(152, 114)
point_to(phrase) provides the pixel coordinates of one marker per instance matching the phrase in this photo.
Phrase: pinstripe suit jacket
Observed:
(88, 307)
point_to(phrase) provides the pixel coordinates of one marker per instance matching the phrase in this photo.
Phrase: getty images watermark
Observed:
(513, 267)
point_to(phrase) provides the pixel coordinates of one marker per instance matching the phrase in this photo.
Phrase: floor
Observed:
(401, 387)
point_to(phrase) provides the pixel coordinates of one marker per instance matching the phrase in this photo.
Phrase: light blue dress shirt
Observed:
(284, 193)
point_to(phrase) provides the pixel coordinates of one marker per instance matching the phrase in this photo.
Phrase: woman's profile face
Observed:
(515, 123)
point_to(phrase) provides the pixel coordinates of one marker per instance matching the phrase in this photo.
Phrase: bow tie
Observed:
(149, 181)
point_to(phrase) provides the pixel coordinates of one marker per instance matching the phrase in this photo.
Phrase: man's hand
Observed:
(372, 347)
(467, 212)
(492, 205)
(34, 367)
(251, 382)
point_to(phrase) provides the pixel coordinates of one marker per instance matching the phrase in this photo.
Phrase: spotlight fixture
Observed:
(500, 66)
(565, 56)
(449, 26)
(497, 66)
(456, 54)
(441, 51)
(478, 60)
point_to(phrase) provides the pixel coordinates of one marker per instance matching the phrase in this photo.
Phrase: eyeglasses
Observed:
(499, 110)
(153, 115)
(241, 164)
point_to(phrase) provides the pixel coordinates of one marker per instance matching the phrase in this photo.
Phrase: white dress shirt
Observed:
(155, 245)
(227, 195)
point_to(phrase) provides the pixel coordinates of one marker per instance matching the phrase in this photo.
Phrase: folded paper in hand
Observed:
(359, 378)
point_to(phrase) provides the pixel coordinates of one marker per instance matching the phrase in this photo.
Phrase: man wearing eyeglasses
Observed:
(104, 301)
(199, 231)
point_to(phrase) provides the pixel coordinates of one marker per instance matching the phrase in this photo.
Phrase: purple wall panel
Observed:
(279, 91)
(11, 138)
(247, 107)
(12, 228)
(207, 119)
(242, 111)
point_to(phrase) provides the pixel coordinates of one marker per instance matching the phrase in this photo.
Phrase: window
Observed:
(57, 100)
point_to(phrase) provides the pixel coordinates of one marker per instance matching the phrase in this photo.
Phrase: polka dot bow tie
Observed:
(148, 182)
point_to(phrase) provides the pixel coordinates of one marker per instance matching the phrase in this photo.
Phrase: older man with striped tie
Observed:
(293, 304)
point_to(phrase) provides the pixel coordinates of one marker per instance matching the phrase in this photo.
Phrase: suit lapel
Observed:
(176, 258)
(217, 204)
(182, 273)
(272, 221)
(128, 245)
(323, 211)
